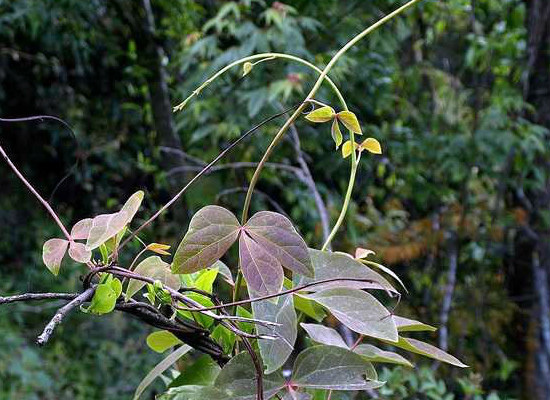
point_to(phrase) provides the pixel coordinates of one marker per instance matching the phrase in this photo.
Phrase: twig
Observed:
(37, 296)
(61, 313)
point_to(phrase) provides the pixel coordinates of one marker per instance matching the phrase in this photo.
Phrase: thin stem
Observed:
(310, 96)
(36, 194)
(37, 296)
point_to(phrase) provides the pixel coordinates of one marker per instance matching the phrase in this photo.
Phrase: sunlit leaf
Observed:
(336, 133)
(427, 350)
(410, 325)
(359, 311)
(263, 273)
(159, 369)
(329, 265)
(275, 352)
(372, 145)
(105, 226)
(374, 354)
(159, 248)
(322, 114)
(275, 233)
(212, 231)
(79, 253)
(152, 267)
(335, 368)
(324, 335)
(53, 252)
(81, 229)
(160, 341)
(350, 121)
(206, 279)
(347, 148)
(104, 299)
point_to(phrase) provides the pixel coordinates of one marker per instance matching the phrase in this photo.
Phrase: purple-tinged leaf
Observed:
(275, 352)
(81, 229)
(153, 267)
(294, 395)
(263, 273)
(359, 311)
(427, 350)
(276, 235)
(53, 252)
(106, 226)
(324, 335)
(374, 354)
(79, 253)
(212, 231)
(333, 368)
(329, 265)
(410, 325)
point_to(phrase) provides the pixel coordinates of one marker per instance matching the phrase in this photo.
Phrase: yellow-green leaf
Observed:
(323, 114)
(161, 341)
(159, 248)
(336, 133)
(372, 145)
(350, 121)
(347, 149)
(247, 67)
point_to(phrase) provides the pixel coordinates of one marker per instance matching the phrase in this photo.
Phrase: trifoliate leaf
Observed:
(53, 252)
(323, 114)
(347, 148)
(372, 145)
(350, 121)
(336, 133)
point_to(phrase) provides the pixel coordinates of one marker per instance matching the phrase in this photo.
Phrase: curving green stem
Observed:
(261, 57)
(295, 115)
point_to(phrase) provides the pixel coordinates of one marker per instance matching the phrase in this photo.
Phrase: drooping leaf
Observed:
(263, 273)
(374, 354)
(212, 231)
(334, 368)
(359, 311)
(106, 226)
(152, 267)
(53, 252)
(160, 341)
(81, 229)
(410, 325)
(275, 233)
(372, 145)
(350, 121)
(427, 350)
(202, 372)
(159, 369)
(324, 335)
(322, 114)
(336, 133)
(79, 253)
(328, 265)
(159, 248)
(347, 148)
(275, 352)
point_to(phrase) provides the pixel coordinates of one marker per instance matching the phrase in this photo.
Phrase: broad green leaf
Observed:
(374, 354)
(106, 226)
(152, 267)
(263, 272)
(427, 350)
(206, 279)
(322, 114)
(202, 319)
(159, 248)
(347, 148)
(202, 372)
(324, 335)
(160, 341)
(116, 285)
(334, 368)
(275, 352)
(410, 325)
(350, 121)
(359, 311)
(79, 253)
(224, 337)
(159, 369)
(372, 145)
(275, 233)
(212, 231)
(328, 265)
(309, 308)
(247, 67)
(104, 299)
(81, 229)
(53, 252)
(336, 133)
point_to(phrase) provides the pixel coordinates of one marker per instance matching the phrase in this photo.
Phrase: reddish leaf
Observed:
(81, 229)
(79, 253)
(53, 252)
